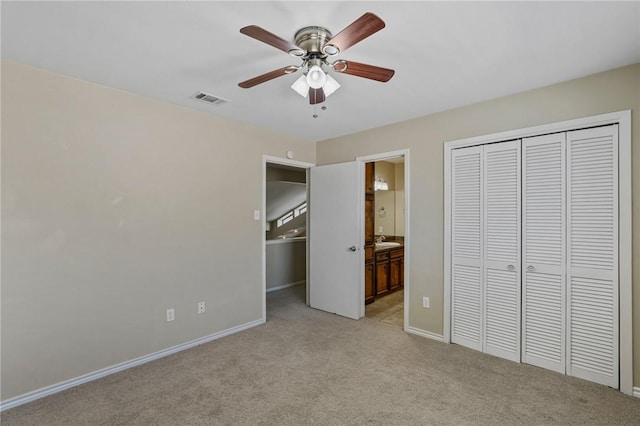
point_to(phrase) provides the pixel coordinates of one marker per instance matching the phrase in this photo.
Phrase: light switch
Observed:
(425, 302)
(256, 215)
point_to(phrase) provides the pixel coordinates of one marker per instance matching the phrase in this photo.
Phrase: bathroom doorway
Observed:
(385, 241)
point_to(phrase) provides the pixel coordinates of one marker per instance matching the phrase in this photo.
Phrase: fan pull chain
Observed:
(315, 110)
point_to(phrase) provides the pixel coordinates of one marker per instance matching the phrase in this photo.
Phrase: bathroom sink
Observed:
(387, 244)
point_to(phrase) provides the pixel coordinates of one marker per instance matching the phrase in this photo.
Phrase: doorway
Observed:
(385, 238)
(284, 231)
(335, 275)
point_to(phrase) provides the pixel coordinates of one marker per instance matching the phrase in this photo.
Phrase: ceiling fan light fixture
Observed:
(296, 52)
(301, 86)
(330, 49)
(316, 78)
(340, 66)
(330, 86)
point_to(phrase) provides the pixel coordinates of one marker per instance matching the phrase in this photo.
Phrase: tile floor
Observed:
(388, 309)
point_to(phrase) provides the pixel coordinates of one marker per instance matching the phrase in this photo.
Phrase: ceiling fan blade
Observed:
(316, 96)
(265, 77)
(363, 70)
(357, 31)
(271, 39)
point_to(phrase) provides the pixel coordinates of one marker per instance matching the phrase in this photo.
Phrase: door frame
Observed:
(285, 162)
(623, 120)
(407, 224)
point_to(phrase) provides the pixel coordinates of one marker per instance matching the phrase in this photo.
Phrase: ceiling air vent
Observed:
(210, 99)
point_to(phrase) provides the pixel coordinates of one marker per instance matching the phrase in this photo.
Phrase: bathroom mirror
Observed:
(389, 204)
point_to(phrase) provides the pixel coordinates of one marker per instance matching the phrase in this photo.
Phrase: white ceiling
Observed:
(446, 54)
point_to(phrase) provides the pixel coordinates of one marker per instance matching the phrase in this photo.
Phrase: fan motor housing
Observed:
(312, 39)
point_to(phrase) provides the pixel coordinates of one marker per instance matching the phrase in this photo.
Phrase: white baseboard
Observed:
(423, 333)
(67, 384)
(636, 391)
(282, 287)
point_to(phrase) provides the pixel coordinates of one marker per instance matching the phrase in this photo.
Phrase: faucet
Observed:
(380, 239)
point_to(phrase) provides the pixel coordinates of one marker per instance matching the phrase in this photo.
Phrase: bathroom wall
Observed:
(399, 199)
(392, 224)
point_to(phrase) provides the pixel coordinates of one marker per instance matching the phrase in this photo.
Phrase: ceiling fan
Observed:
(314, 45)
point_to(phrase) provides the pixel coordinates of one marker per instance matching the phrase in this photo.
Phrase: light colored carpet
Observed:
(309, 367)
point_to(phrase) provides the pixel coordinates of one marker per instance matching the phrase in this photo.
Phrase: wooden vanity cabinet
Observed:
(382, 273)
(389, 271)
(396, 261)
(369, 235)
(369, 172)
(369, 291)
(369, 207)
(369, 274)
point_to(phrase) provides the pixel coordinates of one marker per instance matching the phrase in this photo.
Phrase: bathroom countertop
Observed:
(401, 246)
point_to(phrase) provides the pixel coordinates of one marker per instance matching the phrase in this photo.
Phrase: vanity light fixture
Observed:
(380, 184)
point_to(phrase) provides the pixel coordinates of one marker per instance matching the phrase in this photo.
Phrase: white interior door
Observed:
(336, 258)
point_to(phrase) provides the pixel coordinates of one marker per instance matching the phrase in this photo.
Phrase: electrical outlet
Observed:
(201, 307)
(171, 314)
(425, 302)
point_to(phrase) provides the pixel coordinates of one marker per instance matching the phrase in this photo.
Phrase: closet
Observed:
(534, 251)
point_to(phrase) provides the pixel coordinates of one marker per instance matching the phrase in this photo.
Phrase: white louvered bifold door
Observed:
(501, 266)
(466, 248)
(543, 251)
(592, 254)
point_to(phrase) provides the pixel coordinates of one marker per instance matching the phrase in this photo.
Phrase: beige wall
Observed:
(116, 207)
(274, 173)
(399, 199)
(286, 262)
(601, 93)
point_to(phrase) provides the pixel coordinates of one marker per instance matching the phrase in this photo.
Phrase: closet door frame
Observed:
(623, 119)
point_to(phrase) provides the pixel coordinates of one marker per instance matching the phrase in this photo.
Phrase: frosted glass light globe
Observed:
(316, 77)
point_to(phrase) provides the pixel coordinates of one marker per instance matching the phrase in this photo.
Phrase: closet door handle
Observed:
(352, 248)
(511, 268)
(530, 268)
